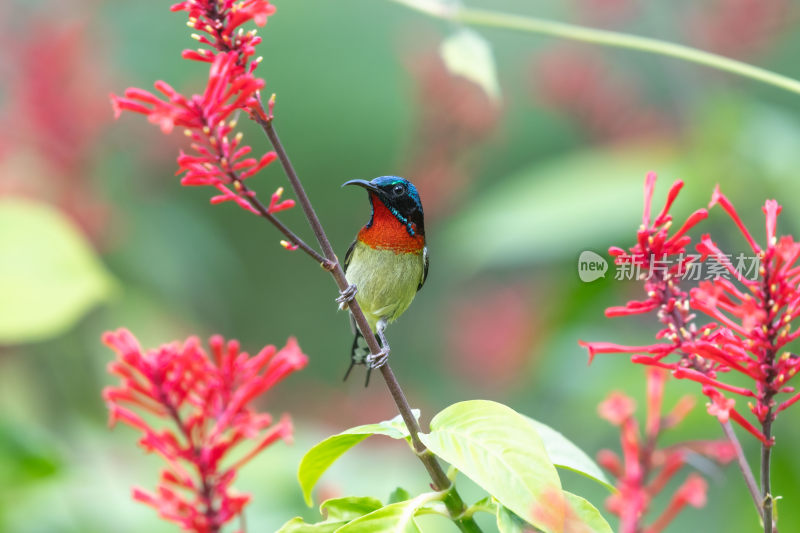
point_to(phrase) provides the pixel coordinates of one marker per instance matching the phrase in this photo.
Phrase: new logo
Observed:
(591, 266)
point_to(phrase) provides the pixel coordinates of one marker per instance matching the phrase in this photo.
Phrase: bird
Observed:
(387, 263)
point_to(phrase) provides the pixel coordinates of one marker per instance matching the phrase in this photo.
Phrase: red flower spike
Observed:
(220, 21)
(645, 470)
(218, 158)
(751, 316)
(204, 403)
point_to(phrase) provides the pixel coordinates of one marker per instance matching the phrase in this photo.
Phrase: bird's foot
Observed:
(379, 359)
(346, 296)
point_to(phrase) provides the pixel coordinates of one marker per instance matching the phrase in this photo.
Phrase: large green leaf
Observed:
(49, 274)
(554, 210)
(500, 450)
(320, 457)
(565, 454)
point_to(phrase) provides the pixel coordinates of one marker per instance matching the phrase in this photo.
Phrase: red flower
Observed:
(204, 402)
(645, 469)
(218, 157)
(751, 319)
(219, 21)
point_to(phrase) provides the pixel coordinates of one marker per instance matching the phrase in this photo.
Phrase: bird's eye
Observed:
(398, 189)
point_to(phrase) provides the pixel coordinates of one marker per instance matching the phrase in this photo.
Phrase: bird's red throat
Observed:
(387, 233)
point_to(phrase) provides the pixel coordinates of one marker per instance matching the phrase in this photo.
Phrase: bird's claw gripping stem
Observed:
(379, 359)
(346, 296)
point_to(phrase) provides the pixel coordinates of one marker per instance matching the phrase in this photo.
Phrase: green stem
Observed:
(482, 17)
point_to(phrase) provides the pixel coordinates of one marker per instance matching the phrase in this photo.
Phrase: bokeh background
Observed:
(102, 236)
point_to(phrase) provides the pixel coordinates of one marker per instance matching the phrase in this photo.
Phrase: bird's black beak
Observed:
(363, 183)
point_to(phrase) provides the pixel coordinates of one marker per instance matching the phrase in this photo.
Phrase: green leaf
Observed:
(349, 508)
(394, 518)
(337, 512)
(589, 196)
(565, 454)
(320, 457)
(298, 525)
(583, 517)
(500, 450)
(49, 274)
(398, 495)
(466, 53)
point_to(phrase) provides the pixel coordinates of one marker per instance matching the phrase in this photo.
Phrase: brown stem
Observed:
(744, 466)
(264, 212)
(441, 482)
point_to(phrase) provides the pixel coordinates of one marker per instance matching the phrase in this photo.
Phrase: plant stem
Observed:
(766, 392)
(481, 17)
(766, 488)
(744, 466)
(452, 500)
(264, 211)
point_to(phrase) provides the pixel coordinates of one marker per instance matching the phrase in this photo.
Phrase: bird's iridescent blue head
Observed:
(399, 196)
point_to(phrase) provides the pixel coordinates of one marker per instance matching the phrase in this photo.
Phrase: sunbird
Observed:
(387, 263)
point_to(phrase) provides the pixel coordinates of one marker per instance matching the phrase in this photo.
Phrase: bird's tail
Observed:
(358, 355)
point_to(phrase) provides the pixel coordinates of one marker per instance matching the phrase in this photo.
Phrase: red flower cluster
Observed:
(644, 469)
(219, 20)
(219, 158)
(751, 319)
(205, 401)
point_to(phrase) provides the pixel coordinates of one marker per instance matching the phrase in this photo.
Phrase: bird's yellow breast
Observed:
(387, 281)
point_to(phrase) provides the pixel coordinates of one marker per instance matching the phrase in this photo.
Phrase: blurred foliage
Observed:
(534, 194)
(54, 277)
